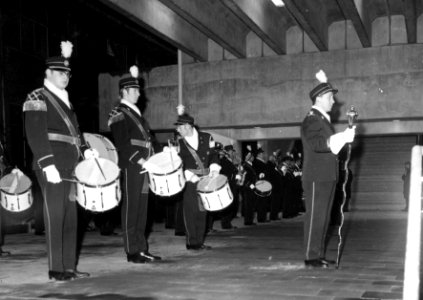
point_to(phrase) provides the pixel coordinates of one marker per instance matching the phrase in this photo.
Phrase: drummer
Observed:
(199, 159)
(133, 140)
(56, 143)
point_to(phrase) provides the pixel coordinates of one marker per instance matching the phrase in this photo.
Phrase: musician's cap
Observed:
(130, 80)
(184, 119)
(321, 89)
(61, 63)
(229, 148)
(259, 150)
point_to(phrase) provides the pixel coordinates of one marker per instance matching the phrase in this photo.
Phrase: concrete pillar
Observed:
(420, 29)
(380, 32)
(215, 51)
(337, 36)
(254, 45)
(353, 42)
(294, 40)
(398, 30)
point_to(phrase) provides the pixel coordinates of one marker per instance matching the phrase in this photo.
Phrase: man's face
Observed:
(325, 101)
(131, 95)
(58, 78)
(184, 130)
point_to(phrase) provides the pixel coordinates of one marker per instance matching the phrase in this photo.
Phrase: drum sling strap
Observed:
(65, 117)
(201, 170)
(145, 135)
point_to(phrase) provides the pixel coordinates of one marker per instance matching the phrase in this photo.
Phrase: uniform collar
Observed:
(61, 94)
(325, 114)
(131, 105)
(193, 139)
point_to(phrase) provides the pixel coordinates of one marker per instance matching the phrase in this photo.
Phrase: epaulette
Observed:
(212, 143)
(35, 101)
(115, 116)
(310, 113)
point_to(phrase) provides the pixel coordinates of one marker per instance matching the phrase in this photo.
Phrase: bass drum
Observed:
(103, 145)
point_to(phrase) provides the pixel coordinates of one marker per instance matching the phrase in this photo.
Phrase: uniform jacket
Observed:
(320, 164)
(205, 151)
(124, 129)
(228, 169)
(250, 175)
(41, 118)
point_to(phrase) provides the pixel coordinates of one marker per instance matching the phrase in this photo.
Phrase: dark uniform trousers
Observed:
(134, 210)
(194, 218)
(318, 200)
(60, 218)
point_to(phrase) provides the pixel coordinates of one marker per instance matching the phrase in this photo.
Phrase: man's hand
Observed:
(91, 153)
(52, 174)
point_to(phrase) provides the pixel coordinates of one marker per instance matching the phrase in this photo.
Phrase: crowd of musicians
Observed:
(261, 187)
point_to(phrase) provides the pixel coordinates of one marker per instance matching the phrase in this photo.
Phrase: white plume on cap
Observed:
(249, 147)
(258, 145)
(66, 49)
(134, 71)
(180, 109)
(321, 76)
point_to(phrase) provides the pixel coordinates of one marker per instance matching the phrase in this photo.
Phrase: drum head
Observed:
(209, 184)
(263, 186)
(103, 145)
(91, 173)
(14, 184)
(166, 161)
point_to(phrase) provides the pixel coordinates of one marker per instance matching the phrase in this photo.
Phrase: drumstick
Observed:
(171, 157)
(71, 180)
(101, 170)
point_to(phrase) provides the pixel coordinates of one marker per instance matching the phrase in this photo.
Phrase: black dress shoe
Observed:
(205, 247)
(179, 233)
(59, 276)
(150, 256)
(137, 258)
(76, 274)
(327, 261)
(198, 247)
(315, 263)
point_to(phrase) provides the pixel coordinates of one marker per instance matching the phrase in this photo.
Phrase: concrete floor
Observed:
(255, 262)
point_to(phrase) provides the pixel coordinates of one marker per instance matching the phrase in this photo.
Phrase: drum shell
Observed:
(20, 200)
(172, 180)
(215, 197)
(263, 188)
(102, 195)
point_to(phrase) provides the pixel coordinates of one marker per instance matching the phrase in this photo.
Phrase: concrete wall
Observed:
(383, 83)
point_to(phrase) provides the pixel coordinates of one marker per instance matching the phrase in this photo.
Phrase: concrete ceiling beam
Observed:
(356, 15)
(161, 20)
(310, 18)
(264, 20)
(214, 20)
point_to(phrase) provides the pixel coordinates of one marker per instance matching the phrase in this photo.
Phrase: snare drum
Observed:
(214, 192)
(16, 194)
(168, 178)
(103, 145)
(98, 187)
(263, 188)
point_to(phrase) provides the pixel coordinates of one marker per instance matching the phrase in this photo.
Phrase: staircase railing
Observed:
(411, 288)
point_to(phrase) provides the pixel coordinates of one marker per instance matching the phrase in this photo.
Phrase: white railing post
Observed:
(411, 288)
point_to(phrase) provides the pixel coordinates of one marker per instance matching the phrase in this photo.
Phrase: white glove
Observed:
(170, 150)
(17, 172)
(52, 174)
(261, 175)
(191, 176)
(213, 173)
(349, 134)
(238, 177)
(91, 153)
(297, 173)
(252, 186)
(338, 140)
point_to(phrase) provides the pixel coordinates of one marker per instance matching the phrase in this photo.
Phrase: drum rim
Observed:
(212, 191)
(97, 186)
(166, 174)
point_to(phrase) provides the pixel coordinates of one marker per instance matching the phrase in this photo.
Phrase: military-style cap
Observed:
(58, 63)
(61, 62)
(321, 89)
(229, 148)
(128, 82)
(184, 119)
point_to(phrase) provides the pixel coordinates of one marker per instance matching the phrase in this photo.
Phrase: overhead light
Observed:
(278, 3)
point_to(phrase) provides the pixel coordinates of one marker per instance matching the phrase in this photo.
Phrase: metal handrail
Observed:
(411, 288)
